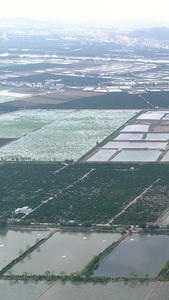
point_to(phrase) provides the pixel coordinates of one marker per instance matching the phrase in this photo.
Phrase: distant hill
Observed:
(159, 33)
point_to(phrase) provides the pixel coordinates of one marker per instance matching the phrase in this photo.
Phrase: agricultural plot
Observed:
(6, 96)
(151, 116)
(67, 134)
(30, 184)
(165, 157)
(134, 145)
(137, 155)
(86, 193)
(102, 155)
(149, 207)
(157, 136)
(129, 136)
(20, 123)
(144, 138)
(136, 128)
(104, 193)
(119, 100)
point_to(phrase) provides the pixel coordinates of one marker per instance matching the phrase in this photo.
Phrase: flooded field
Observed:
(19, 290)
(137, 155)
(152, 116)
(102, 155)
(158, 136)
(114, 291)
(68, 252)
(147, 138)
(136, 128)
(129, 136)
(139, 253)
(68, 134)
(135, 144)
(13, 242)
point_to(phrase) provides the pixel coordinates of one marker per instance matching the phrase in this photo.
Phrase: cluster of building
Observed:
(23, 210)
(47, 85)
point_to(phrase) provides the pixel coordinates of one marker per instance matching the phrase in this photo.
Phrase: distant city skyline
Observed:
(121, 12)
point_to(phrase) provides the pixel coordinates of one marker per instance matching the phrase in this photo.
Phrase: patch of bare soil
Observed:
(160, 128)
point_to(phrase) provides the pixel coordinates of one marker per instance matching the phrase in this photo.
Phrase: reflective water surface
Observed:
(65, 252)
(14, 242)
(137, 253)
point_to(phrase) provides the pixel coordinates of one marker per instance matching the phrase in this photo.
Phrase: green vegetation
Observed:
(149, 207)
(119, 100)
(28, 67)
(93, 264)
(4, 88)
(164, 273)
(67, 80)
(91, 199)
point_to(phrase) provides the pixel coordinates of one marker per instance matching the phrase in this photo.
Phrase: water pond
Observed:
(19, 290)
(12, 242)
(65, 252)
(114, 291)
(140, 254)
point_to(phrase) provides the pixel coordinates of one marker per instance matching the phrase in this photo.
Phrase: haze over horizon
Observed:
(131, 12)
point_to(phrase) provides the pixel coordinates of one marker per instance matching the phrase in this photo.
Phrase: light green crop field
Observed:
(67, 134)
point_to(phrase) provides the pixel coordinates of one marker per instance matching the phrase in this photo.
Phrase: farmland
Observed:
(87, 193)
(46, 135)
(81, 160)
(143, 138)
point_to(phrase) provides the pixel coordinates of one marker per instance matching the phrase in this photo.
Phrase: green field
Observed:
(86, 193)
(57, 134)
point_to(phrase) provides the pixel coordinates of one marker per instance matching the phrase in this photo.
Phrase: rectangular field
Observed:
(137, 155)
(102, 155)
(135, 144)
(68, 252)
(136, 254)
(61, 134)
(17, 241)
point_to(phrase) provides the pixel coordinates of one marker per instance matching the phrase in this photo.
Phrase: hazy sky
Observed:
(146, 12)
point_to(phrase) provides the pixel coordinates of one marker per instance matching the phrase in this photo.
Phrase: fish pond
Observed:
(65, 252)
(70, 291)
(114, 291)
(137, 255)
(15, 242)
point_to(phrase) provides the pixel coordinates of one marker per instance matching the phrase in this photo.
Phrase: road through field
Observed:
(133, 201)
(60, 191)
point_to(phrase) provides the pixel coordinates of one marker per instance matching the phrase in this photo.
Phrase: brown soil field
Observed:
(40, 100)
(160, 128)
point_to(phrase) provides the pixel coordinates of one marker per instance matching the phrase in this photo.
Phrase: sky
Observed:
(143, 12)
